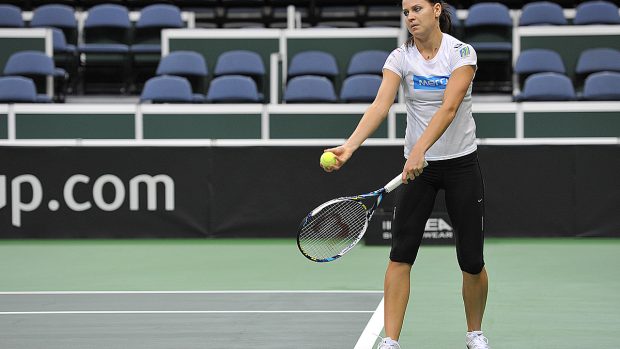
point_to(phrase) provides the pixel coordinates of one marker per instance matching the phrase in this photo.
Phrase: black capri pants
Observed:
(464, 190)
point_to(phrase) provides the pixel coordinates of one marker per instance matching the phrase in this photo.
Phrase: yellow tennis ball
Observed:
(328, 159)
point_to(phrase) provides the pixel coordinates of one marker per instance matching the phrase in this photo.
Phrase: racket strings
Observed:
(332, 230)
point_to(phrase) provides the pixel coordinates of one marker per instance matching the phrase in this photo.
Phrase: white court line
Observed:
(372, 330)
(193, 292)
(96, 312)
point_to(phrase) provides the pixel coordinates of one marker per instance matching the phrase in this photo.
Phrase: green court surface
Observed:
(544, 293)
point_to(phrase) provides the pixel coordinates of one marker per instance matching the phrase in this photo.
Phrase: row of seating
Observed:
(312, 89)
(603, 86)
(197, 4)
(547, 61)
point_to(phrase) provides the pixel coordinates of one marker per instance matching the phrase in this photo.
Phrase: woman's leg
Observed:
(475, 288)
(396, 297)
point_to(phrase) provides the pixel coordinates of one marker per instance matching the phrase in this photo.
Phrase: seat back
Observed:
(542, 13)
(54, 15)
(367, 62)
(10, 16)
(602, 86)
(240, 62)
(17, 89)
(596, 12)
(313, 63)
(153, 19)
(547, 87)
(29, 63)
(310, 89)
(233, 89)
(598, 59)
(360, 88)
(167, 89)
(107, 23)
(539, 61)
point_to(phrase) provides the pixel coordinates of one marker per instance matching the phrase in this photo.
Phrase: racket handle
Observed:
(398, 180)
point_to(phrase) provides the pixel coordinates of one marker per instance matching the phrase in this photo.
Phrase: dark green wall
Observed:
(72, 126)
(228, 126)
(317, 126)
(4, 132)
(601, 124)
(488, 125)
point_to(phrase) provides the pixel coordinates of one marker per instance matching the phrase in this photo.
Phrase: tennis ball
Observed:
(328, 159)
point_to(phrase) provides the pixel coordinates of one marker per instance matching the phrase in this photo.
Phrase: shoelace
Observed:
(479, 342)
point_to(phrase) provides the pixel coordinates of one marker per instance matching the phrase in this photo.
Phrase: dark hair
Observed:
(445, 19)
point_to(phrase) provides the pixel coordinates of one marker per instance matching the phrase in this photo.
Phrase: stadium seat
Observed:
(604, 86)
(494, 20)
(596, 12)
(57, 16)
(310, 89)
(154, 18)
(542, 13)
(18, 89)
(233, 89)
(188, 64)
(106, 38)
(313, 63)
(367, 62)
(167, 89)
(240, 11)
(37, 66)
(547, 87)
(240, 62)
(597, 60)
(360, 88)
(10, 16)
(488, 28)
(538, 61)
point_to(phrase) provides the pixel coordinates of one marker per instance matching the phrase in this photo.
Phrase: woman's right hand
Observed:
(343, 154)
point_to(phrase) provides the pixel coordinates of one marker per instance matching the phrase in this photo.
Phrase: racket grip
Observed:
(397, 181)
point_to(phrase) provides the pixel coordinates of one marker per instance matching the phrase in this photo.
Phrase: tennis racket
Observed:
(335, 227)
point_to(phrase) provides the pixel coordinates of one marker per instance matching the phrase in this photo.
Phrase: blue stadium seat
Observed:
(542, 13)
(488, 29)
(106, 45)
(60, 43)
(596, 12)
(233, 89)
(10, 16)
(313, 63)
(367, 62)
(310, 89)
(240, 62)
(37, 66)
(18, 89)
(167, 89)
(598, 59)
(152, 20)
(489, 17)
(603, 86)
(547, 87)
(56, 16)
(539, 61)
(188, 64)
(360, 88)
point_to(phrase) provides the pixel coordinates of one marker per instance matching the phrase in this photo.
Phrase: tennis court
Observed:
(544, 293)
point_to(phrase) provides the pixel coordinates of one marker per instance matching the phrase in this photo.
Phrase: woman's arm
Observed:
(453, 96)
(373, 117)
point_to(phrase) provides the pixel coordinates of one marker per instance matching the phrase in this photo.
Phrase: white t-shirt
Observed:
(424, 83)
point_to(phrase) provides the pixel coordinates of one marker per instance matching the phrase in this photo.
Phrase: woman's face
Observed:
(421, 16)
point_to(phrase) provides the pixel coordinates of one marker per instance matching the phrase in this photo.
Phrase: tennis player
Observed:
(436, 72)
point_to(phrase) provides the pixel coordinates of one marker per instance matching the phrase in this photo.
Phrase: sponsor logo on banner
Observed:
(136, 188)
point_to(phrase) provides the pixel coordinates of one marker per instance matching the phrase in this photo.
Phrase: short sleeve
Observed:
(394, 62)
(463, 55)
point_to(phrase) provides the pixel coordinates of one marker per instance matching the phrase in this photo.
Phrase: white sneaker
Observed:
(388, 343)
(476, 340)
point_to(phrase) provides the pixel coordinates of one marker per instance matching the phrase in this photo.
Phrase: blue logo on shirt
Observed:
(430, 82)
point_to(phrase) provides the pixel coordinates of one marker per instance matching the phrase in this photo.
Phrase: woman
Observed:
(436, 72)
